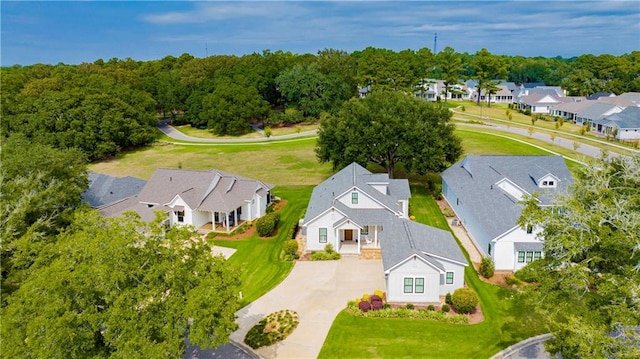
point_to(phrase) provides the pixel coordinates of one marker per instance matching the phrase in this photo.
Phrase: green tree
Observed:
(304, 87)
(589, 280)
(121, 288)
(450, 65)
(489, 69)
(388, 128)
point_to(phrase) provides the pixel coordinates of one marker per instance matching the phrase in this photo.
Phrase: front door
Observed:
(348, 234)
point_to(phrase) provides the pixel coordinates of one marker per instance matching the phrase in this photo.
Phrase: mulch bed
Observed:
(252, 229)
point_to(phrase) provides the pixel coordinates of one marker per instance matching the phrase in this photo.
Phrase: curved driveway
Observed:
(317, 291)
(177, 135)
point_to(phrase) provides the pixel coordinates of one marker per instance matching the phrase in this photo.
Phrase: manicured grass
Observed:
(260, 258)
(507, 320)
(275, 131)
(285, 163)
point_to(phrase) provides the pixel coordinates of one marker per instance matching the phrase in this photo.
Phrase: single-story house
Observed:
(207, 200)
(538, 103)
(595, 112)
(485, 193)
(624, 125)
(356, 210)
(104, 189)
(569, 110)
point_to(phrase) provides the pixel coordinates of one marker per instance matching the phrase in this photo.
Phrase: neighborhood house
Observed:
(207, 200)
(355, 210)
(485, 192)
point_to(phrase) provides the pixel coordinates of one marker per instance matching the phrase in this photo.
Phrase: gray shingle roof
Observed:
(132, 204)
(596, 111)
(400, 237)
(105, 189)
(212, 190)
(495, 210)
(628, 118)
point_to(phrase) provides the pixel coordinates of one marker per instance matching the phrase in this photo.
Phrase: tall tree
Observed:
(589, 278)
(121, 288)
(305, 88)
(388, 128)
(450, 65)
(489, 69)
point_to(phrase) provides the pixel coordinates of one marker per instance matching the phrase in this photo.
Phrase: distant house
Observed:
(356, 210)
(569, 110)
(485, 194)
(595, 112)
(538, 103)
(624, 125)
(208, 200)
(104, 189)
(598, 95)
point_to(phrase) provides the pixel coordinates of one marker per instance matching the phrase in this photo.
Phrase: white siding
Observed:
(325, 221)
(201, 217)
(363, 200)
(458, 277)
(414, 268)
(504, 253)
(188, 213)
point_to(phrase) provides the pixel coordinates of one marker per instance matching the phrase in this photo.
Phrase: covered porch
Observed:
(352, 240)
(223, 222)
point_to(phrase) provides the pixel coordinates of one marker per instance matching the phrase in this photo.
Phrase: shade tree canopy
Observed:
(388, 129)
(589, 278)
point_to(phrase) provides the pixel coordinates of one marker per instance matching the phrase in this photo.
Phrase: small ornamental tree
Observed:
(464, 300)
(290, 248)
(487, 268)
(266, 224)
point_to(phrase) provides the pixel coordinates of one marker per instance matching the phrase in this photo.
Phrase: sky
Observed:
(84, 31)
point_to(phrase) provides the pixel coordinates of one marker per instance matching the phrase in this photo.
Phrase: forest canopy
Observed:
(103, 107)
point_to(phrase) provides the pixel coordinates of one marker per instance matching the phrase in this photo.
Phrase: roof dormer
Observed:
(548, 181)
(382, 187)
(512, 189)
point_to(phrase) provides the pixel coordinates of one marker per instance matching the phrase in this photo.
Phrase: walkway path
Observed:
(317, 291)
(177, 135)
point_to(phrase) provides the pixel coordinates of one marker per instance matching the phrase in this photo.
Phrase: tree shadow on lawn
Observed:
(520, 318)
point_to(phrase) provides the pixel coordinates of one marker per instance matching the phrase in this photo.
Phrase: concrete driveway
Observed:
(318, 291)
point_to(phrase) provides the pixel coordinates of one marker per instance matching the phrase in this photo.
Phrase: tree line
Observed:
(104, 107)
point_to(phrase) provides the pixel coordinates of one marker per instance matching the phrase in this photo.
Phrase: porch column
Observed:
(359, 240)
(336, 233)
(226, 215)
(250, 218)
(235, 217)
(375, 236)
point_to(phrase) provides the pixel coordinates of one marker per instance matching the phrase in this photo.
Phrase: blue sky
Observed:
(84, 31)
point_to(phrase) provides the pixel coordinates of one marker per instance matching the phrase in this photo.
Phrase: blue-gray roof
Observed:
(105, 189)
(628, 118)
(596, 111)
(474, 179)
(353, 176)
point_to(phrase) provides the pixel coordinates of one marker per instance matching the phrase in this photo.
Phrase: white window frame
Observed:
(321, 235)
(446, 277)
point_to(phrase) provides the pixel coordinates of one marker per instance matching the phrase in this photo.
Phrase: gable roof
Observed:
(212, 190)
(539, 99)
(474, 180)
(598, 110)
(627, 118)
(104, 189)
(597, 95)
(573, 106)
(356, 176)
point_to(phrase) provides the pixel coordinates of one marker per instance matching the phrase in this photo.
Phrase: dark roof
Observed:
(105, 189)
(628, 118)
(597, 95)
(474, 180)
(530, 85)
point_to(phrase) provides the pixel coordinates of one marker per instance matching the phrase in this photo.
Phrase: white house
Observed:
(212, 200)
(485, 194)
(624, 125)
(356, 209)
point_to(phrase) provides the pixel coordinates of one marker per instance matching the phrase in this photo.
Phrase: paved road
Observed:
(317, 291)
(177, 135)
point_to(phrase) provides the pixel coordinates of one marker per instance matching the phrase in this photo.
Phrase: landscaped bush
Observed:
(410, 306)
(266, 224)
(447, 299)
(431, 308)
(366, 297)
(529, 273)
(364, 306)
(445, 308)
(275, 327)
(379, 293)
(413, 314)
(464, 300)
(328, 254)
(290, 249)
(487, 268)
(511, 280)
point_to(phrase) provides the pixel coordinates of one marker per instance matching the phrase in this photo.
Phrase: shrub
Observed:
(364, 306)
(324, 256)
(379, 293)
(270, 209)
(266, 224)
(376, 298)
(365, 297)
(529, 273)
(463, 108)
(445, 308)
(487, 268)
(431, 308)
(329, 248)
(464, 300)
(447, 299)
(273, 328)
(386, 306)
(409, 306)
(511, 280)
(290, 248)
(377, 305)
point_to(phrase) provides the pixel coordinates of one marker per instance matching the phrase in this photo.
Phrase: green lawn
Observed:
(275, 131)
(258, 258)
(507, 320)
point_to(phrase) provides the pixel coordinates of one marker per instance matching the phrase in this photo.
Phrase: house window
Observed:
(529, 229)
(449, 278)
(408, 285)
(323, 235)
(489, 248)
(180, 215)
(365, 230)
(520, 257)
(354, 197)
(537, 255)
(419, 285)
(529, 256)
